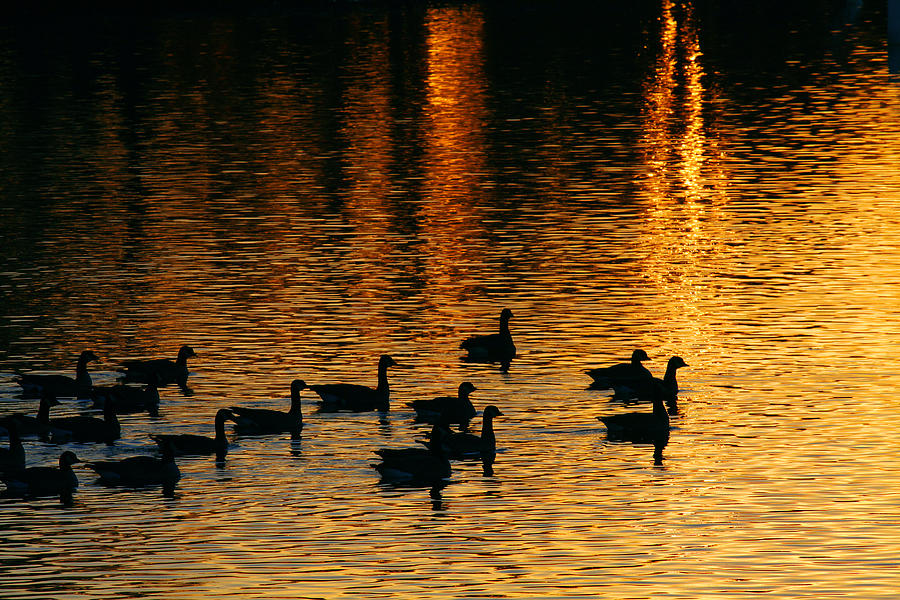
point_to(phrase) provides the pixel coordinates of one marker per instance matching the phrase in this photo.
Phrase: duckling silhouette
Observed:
(447, 409)
(183, 444)
(357, 398)
(256, 421)
(34, 385)
(45, 481)
(167, 371)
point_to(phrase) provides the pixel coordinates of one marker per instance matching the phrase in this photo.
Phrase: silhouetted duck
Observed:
(447, 409)
(495, 346)
(470, 445)
(87, 429)
(186, 444)
(166, 370)
(414, 465)
(12, 458)
(140, 471)
(45, 481)
(621, 374)
(647, 389)
(357, 398)
(254, 421)
(33, 385)
(129, 398)
(640, 427)
(39, 425)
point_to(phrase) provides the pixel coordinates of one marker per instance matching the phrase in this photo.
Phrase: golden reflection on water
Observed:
(455, 173)
(682, 184)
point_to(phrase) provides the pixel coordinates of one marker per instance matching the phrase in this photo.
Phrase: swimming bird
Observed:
(140, 471)
(357, 398)
(470, 445)
(447, 409)
(414, 465)
(190, 444)
(640, 427)
(647, 389)
(166, 370)
(87, 429)
(33, 385)
(12, 458)
(495, 346)
(45, 481)
(129, 398)
(621, 374)
(254, 421)
(39, 425)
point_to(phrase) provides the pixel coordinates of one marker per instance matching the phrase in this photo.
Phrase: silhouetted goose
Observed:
(647, 389)
(184, 444)
(621, 374)
(87, 429)
(414, 465)
(140, 471)
(45, 481)
(166, 370)
(33, 385)
(39, 425)
(253, 421)
(357, 398)
(495, 346)
(12, 458)
(640, 427)
(470, 445)
(447, 409)
(129, 398)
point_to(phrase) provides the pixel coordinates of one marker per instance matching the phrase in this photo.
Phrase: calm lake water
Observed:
(294, 193)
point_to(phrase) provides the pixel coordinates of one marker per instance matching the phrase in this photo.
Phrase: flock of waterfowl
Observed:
(428, 465)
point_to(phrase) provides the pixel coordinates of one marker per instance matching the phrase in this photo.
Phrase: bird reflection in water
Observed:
(296, 438)
(487, 463)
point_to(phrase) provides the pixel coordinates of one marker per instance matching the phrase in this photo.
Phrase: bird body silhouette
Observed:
(357, 398)
(492, 347)
(34, 385)
(622, 374)
(469, 445)
(447, 409)
(183, 444)
(140, 471)
(44, 481)
(12, 458)
(425, 466)
(254, 421)
(166, 370)
(87, 429)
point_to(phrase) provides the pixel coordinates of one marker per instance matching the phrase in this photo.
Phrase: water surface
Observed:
(294, 194)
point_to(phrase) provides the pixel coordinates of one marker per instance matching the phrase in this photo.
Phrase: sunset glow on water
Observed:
(294, 195)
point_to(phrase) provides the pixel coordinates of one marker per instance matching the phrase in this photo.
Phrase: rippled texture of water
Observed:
(295, 194)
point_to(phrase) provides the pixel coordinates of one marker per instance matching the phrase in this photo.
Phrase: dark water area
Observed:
(295, 190)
